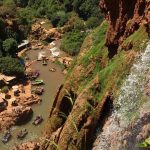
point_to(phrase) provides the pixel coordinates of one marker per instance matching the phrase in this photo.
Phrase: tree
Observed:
(11, 66)
(10, 47)
(21, 3)
(92, 22)
(87, 8)
(72, 42)
(2, 29)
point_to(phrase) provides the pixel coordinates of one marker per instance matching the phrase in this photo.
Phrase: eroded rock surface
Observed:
(13, 116)
(125, 17)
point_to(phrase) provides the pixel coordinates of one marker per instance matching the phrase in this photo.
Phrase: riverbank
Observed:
(42, 104)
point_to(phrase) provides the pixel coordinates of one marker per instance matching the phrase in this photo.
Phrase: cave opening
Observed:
(112, 50)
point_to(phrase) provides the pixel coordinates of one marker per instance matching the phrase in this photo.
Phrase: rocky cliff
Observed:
(125, 17)
(105, 59)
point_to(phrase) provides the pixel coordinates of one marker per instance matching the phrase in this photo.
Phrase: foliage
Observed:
(79, 24)
(59, 18)
(26, 16)
(7, 10)
(10, 47)
(72, 42)
(145, 144)
(138, 39)
(5, 89)
(92, 22)
(21, 3)
(11, 66)
(87, 8)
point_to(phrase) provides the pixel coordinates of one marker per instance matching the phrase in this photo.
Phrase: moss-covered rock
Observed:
(95, 79)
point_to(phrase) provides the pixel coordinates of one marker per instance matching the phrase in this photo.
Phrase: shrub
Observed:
(41, 12)
(26, 16)
(59, 18)
(5, 89)
(92, 22)
(10, 47)
(79, 24)
(11, 66)
(72, 42)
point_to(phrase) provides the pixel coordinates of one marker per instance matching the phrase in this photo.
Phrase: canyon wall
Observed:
(86, 97)
(125, 17)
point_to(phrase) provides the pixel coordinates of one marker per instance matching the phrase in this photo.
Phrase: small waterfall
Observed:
(126, 106)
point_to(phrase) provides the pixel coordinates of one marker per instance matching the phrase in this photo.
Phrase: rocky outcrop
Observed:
(125, 16)
(27, 146)
(38, 32)
(14, 116)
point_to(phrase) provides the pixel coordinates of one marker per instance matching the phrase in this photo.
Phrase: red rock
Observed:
(124, 18)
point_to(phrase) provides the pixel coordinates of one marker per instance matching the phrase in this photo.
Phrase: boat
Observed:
(52, 69)
(38, 90)
(33, 74)
(44, 62)
(37, 82)
(37, 120)
(22, 134)
(6, 137)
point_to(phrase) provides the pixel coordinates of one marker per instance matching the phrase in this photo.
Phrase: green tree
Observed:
(92, 22)
(10, 47)
(11, 66)
(72, 42)
(87, 8)
(2, 29)
(21, 3)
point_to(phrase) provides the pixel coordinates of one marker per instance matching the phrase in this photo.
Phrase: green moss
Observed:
(98, 37)
(112, 74)
(138, 39)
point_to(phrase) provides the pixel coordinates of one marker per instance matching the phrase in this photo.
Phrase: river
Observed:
(52, 82)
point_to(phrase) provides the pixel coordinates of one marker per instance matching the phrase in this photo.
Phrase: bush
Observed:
(10, 47)
(41, 12)
(26, 16)
(72, 42)
(5, 89)
(21, 3)
(59, 18)
(79, 24)
(92, 22)
(11, 66)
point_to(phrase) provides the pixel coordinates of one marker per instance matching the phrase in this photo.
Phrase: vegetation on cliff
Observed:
(92, 78)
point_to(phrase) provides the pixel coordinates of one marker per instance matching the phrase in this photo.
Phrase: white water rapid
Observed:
(127, 105)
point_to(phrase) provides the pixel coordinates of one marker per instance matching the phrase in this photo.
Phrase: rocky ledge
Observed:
(14, 116)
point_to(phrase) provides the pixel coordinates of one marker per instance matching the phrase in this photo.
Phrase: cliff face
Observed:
(85, 99)
(125, 17)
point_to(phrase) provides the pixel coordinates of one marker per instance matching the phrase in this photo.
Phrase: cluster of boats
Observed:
(22, 134)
